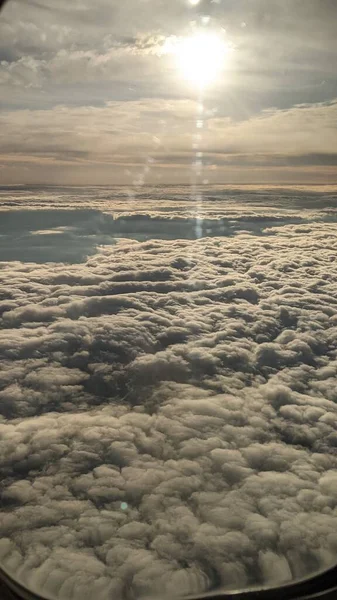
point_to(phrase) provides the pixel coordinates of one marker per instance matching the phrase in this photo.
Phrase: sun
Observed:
(201, 58)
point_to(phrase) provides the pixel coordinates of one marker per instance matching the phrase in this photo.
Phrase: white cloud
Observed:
(192, 380)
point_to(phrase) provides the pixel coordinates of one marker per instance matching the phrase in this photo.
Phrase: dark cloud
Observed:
(169, 406)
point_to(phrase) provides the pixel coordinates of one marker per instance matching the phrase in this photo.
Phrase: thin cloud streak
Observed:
(155, 134)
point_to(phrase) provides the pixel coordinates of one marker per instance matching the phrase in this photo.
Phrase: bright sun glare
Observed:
(201, 57)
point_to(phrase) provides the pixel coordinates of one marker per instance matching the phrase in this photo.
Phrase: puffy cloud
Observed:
(168, 406)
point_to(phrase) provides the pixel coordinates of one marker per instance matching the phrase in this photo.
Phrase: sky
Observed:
(91, 94)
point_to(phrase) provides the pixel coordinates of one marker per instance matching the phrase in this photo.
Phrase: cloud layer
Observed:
(158, 140)
(169, 415)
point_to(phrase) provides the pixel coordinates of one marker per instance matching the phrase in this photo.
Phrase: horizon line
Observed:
(287, 184)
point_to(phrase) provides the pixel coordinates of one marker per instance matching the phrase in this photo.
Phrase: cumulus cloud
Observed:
(169, 407)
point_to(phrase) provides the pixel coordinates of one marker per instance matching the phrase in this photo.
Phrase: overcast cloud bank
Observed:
(169, 411)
